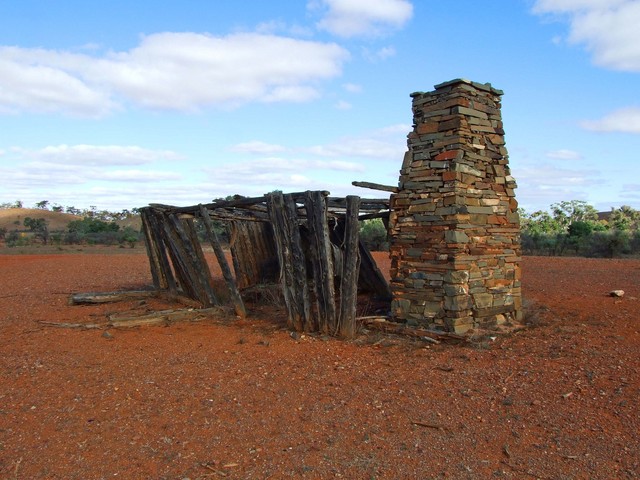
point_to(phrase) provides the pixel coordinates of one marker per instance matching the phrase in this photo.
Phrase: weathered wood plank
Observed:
(321, 261)
(201, 265)
(299, 265)
(110, 297)
(240, 309)
(185, 261)
(156, 230)
(376, 186)
(238, 202)
(164, 317)
(382, 324)
(159, 279)
(294, 288)
(350, 269)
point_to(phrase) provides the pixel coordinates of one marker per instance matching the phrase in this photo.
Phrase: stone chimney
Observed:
(455, 230)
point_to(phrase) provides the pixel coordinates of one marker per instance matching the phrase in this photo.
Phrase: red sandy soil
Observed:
(223, 398)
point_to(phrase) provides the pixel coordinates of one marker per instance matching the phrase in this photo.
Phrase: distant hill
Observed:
(13, 219)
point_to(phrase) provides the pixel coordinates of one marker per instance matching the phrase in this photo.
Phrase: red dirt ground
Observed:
(244, 399)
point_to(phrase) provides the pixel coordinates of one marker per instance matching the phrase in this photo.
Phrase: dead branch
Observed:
(382, 324)
(109, 297)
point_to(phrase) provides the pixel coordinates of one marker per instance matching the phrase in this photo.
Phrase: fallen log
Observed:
(126, 320)
(163, 317)
(82, 326)
(384, 325)
(109, 297)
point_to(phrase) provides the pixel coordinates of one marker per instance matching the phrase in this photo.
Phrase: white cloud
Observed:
(385, 52)
(342, 105)
(378, 55)
(352, 88)
(626, 120)
(541, 185)
(352, 18)
(99, 155)
(387, 143)
(172, 71)
(607, 28)
(257, 147)
(35, 80)
(135, 176)
(276, 165)
(564, 154)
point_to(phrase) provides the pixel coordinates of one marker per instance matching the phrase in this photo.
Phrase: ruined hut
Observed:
(308, 242)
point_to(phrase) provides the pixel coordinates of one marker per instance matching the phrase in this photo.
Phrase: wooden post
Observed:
(159, 281)
(293, 272)
(299, 264)
(198, 283)
(321, 260)
(350, 269)
(156, 221)
(175, 249)
(224, 265)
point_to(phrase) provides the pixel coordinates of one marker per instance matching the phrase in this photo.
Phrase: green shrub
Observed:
(373, 234)
(17, 239)
(609, 244)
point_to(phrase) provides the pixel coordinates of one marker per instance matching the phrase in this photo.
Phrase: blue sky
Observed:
(118, 104)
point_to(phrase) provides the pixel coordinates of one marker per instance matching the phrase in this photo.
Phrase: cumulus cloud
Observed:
(264, 175)
(64, 173)
(353, 18)
(607, 28)
(378, 55)
(626, 120)
(100, 155)
(168, 71)
(257, 147)
(542, 184)
(134, 175)
(352, 87)
(387, 143)
(564, 154)
(39, 81)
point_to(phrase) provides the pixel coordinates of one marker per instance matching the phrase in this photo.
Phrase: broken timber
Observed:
(307, 240)
(108, 297)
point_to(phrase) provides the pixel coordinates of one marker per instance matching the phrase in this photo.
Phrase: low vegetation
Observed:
(56, 225)
(576, 228)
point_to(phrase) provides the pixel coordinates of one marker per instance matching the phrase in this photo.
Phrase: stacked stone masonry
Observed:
(455, 230)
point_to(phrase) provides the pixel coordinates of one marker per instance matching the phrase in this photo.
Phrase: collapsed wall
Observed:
(454, 226)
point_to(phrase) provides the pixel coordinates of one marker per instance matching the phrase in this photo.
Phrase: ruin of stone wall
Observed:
(455, 230)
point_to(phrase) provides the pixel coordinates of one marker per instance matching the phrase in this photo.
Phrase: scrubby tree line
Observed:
(96, 227)
(90, 231)
(576, 228)
(92, 211)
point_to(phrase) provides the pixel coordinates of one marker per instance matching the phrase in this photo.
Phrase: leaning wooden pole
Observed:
(198, 281)
(159, 280)
(350, 269)
(292, 269)
(156, 226)
(321, 260)
(240, 309)
(298, 258)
